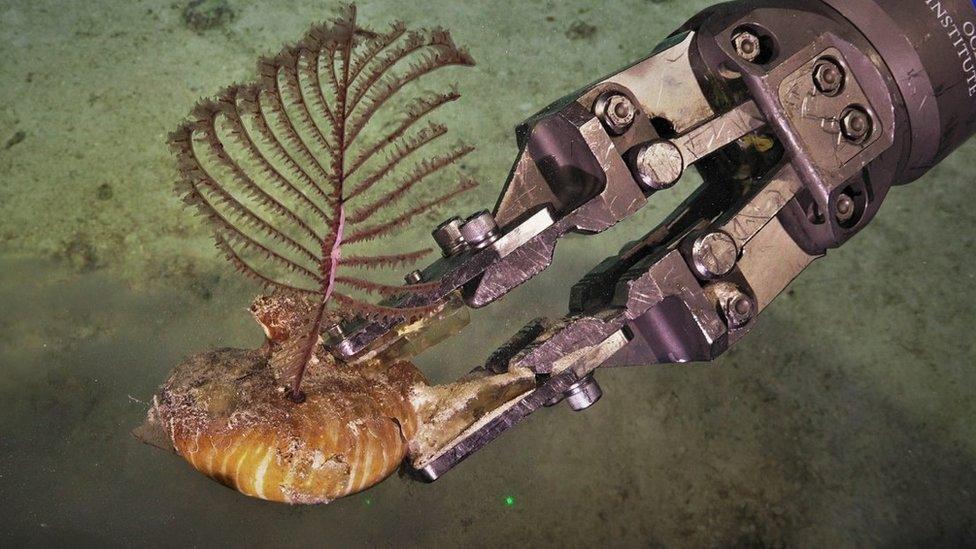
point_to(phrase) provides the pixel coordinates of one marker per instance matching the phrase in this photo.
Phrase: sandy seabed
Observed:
(844, 419)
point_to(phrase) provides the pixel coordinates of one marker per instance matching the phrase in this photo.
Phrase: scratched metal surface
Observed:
(844, 419)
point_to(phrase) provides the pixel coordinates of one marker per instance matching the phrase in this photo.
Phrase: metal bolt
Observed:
(583, 394)
(845, 208)
(554, 401)
(448, 236)
(828, 76)
(616, 111)
(414, 277)
(739, 309)
(747, 45)
(714, 254)
(659, 164)
(855, 124)
(480, 230)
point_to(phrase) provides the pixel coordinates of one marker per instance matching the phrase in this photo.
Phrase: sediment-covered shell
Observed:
(226, 414)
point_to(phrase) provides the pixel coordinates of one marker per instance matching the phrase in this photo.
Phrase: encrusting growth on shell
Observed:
(226, 414)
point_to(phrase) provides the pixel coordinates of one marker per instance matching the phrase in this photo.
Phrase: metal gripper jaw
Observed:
(693, 285)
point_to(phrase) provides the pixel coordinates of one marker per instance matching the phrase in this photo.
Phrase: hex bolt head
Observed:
(658, 165)
(714, 255)
(480, 230)
(747, 45)
(616, 111)
(828, 76)
(845, 208)
(583, 394)
(739, 309)
(448, 236)
(414, 277)
(855, 124)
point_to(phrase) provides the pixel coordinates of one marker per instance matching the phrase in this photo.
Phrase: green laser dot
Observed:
(369, 501)
(509, 501)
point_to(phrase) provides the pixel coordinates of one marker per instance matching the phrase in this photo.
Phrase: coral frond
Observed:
(415, 42)
(269, 165)
(194, 177)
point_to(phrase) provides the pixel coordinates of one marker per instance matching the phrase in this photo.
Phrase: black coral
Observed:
(291, 173)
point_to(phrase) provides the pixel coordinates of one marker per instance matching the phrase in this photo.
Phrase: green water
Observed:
(846, 418)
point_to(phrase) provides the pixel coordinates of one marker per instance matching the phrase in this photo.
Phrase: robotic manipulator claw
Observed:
(799, 116)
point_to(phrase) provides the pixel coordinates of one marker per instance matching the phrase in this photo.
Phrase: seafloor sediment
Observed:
(844, 419)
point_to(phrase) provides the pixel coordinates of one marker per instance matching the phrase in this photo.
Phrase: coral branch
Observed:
(244, 139)
(373, 232)
(387, 261)
(403, 148)
(380, 311)
(387, 90)
(374, 47)
(252, 272)
(402, 187)
(415, 111)
(385, 290)
(249, 105)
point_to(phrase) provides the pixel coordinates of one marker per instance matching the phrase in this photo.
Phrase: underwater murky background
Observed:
(846, 418)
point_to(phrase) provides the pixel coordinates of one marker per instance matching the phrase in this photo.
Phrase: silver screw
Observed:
(714, 254)
(583, 394)
(616, 111)
(855, 124)
(828, 77)
(414, 277)
(747, 45)
(480, 230)
(448, 236)
(659, 164)
(845, 208)
(739, 309)
(554, 401)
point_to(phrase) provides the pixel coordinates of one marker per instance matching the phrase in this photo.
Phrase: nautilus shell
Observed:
(227, 414)
(233, 425)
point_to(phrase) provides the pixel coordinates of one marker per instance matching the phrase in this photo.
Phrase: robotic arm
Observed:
(799, 115)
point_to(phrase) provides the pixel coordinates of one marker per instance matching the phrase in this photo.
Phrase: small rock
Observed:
(203, 286)
(580, 30)
(81, 255)
(201, 15)
(16, 138)
(104, 192)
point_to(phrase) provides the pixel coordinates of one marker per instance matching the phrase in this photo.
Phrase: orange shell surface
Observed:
(227, 416)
